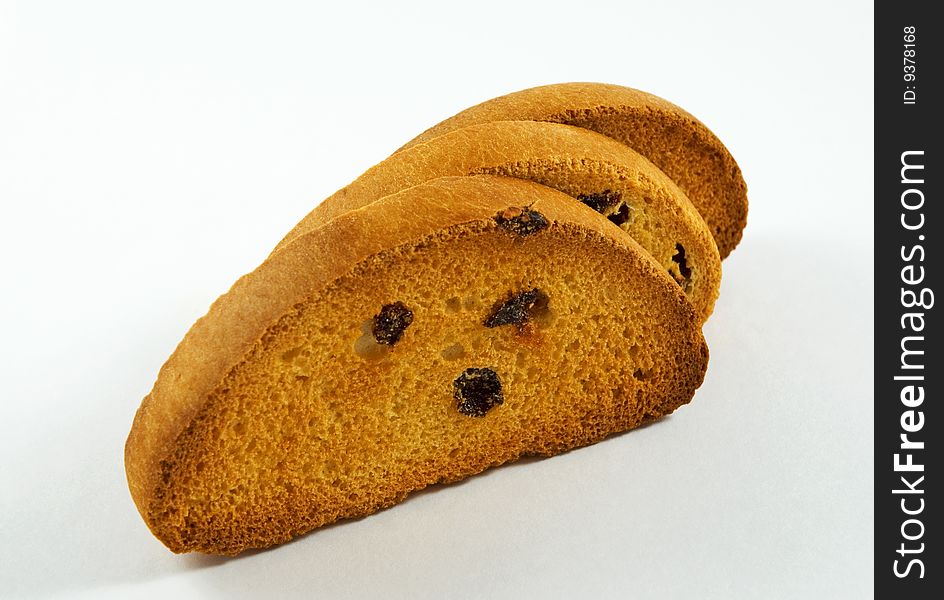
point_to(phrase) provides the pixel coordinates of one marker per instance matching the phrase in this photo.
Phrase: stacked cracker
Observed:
(526, 277)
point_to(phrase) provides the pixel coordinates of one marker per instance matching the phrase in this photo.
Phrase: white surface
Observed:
(151, 154)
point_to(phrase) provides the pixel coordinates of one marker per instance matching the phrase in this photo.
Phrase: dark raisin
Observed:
(521, 221)
(477, 391)
(620, 216)
(516, 309)
(685, 272)
(391, 322)
(600, 202)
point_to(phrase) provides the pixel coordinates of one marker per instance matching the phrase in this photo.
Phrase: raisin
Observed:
(600, 202)
(620, 216)
(477, 391)
(685, 272)
(515, 310)
(391, 322)
(604, 202)
(521, 221)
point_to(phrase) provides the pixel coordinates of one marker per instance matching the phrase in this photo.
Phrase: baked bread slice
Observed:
(674, 140)
(605, 174)
(453, 326)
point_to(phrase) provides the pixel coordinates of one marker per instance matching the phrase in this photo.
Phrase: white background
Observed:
(150, 153)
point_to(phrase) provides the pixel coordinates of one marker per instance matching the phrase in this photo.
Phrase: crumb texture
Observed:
(322, 420)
